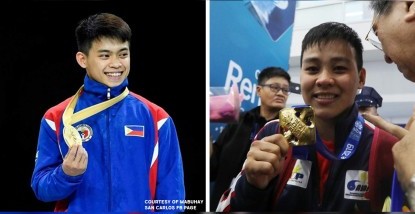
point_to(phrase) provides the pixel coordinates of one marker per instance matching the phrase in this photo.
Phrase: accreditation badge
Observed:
(300, 174)
(356, 185)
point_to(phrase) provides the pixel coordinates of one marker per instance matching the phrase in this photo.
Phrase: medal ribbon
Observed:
(70, 134)
(397, 195)
(70, 118)
(349, 147)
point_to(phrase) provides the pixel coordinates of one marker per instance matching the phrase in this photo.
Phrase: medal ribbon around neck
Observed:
(70, 134)
(397, 195)
(349, 147)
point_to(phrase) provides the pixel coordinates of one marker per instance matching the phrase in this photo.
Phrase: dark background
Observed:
(39, 70)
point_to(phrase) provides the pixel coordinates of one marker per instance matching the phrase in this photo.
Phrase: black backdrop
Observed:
(39, 70)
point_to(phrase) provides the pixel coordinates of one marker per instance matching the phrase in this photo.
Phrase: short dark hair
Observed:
(270, 72)
(101, 25)
(381, 7)
(332, 31)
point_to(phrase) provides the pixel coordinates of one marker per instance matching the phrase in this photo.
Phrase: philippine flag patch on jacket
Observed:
(134, 130)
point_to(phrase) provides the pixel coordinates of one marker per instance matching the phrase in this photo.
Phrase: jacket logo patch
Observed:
(85, 131)
(356, 184)
(300, 174)
(134, 130)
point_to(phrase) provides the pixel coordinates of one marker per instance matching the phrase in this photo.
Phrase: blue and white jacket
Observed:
(134, 159)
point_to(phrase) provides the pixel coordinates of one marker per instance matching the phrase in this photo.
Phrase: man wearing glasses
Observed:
(394, 33)
(230, 149)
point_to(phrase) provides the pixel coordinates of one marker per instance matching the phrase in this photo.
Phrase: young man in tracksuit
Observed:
(342, 172)
(105, 148)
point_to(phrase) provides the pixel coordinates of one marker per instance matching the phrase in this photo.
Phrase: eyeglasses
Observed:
(371, 36)
(276, 88)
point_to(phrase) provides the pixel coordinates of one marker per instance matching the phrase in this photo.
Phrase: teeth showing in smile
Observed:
(325, 96)
(114, 74)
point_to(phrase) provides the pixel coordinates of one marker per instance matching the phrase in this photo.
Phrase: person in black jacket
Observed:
(337, 173)
(230, 148)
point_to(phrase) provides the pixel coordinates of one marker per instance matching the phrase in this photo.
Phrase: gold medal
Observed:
(297, 125)
(71, 136)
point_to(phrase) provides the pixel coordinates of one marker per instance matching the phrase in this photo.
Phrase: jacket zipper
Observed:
(109, 153)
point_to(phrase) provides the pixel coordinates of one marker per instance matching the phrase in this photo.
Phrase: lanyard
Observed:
(302, 152)
(350, 145)
(397, 195)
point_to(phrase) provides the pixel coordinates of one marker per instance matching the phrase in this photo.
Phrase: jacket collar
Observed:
(99, 91)
(255, 114)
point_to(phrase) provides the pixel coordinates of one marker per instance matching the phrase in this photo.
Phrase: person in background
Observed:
(229, 150)
(368, 100)
(107, 149)
(393, 32)
(338, 173)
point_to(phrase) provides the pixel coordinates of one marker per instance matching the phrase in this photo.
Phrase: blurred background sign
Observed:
(245, 37)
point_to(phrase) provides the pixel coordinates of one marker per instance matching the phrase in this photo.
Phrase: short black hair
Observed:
(272, 71)
(101, 25)
(333, 31)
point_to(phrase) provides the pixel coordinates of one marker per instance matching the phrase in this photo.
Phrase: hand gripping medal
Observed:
(71, 136)
(296, 124)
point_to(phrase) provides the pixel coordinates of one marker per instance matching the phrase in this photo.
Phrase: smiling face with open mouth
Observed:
(107, 62)
(330, 78)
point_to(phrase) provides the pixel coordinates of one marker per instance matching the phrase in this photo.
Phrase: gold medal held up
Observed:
(297, 125)
(71, 136)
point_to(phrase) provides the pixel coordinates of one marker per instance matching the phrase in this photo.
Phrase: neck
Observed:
(268, 113)
(325, 129)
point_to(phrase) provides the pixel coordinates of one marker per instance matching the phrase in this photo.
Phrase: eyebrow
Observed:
(108, 51)
(278, 84)
(311, 60)
(341, 59)
(332, 60)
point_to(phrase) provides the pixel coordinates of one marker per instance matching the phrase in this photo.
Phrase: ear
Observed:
(81, 59)
(258, 90)
(410, 14)
(362, 78)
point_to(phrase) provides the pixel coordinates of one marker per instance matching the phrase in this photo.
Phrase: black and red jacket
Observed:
(280, 196)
